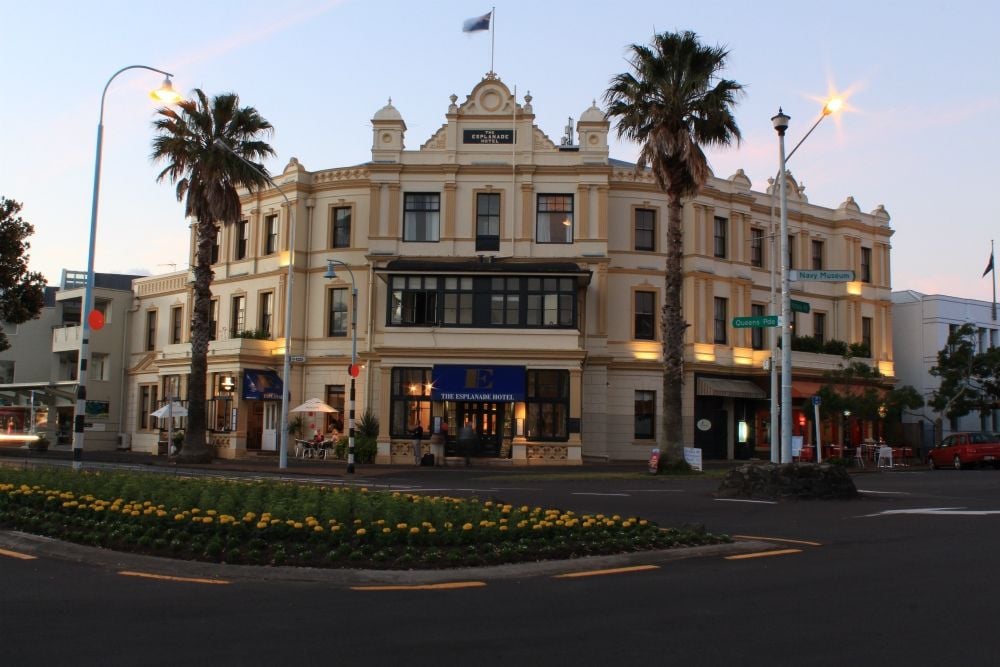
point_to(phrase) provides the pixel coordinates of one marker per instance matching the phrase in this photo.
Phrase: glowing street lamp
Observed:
(167, 95)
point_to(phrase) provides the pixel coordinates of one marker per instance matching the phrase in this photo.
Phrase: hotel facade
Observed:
(510, 284)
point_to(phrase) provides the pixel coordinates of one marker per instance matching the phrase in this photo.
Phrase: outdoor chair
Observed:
(859, 456)
(884, 457)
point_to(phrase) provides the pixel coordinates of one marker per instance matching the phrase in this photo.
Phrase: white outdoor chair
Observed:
(885, 457)
(859, 456)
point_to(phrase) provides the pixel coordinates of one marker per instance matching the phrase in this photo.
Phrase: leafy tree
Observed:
(969, 378)
(672, 102)
(208, 177)
(22, 292)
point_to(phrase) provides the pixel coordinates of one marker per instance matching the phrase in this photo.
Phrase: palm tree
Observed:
(208, 177)
(672, 102)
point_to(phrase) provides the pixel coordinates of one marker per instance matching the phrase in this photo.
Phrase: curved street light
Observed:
(167, 95)
(780, 121)
(330, 274)
(287, 368)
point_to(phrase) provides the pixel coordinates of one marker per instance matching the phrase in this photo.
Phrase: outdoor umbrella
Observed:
(314, 405)
(174, 409)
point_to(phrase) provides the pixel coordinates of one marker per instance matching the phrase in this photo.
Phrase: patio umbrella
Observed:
(314, 405)
(174, 409)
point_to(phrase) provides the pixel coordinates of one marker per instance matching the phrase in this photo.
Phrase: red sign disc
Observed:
(96, 320)
(354, 370)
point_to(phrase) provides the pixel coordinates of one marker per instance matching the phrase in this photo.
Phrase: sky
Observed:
(918, 134)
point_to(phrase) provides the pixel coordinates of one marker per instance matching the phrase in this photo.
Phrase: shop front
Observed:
(262, 392)
(727, 417)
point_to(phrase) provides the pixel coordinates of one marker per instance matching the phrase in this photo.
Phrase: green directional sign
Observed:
(755, 321)
(800, 306)
(830, 276)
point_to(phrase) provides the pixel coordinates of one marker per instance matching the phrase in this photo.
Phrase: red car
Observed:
(964, 450)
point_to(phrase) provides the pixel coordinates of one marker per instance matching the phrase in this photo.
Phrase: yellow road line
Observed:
(447, 586)
(164, 577)
(777, 539)
(762, 554)
(598, 573)
(17, 554)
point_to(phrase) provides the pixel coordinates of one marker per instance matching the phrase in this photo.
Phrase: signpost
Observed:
(755, 321)
(819, 445)
(825, 276)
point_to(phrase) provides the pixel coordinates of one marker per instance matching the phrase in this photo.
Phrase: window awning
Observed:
(729, 388)
(486, 266)
(261, 385)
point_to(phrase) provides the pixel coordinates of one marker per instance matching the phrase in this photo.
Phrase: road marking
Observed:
(17, 554)
(764, 554)
(624, 495)
(885, 493)
(939, 511)
(744, 500)
(451, 585)
(164, 577)
(777, 539)
(655, 490)
(598, 573)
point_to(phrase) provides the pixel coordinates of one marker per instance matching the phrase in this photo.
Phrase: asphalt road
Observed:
(904, 575)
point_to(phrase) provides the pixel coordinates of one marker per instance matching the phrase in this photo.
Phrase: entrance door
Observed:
(487, 422)
(269, 434)
(711, 433)
(255, 420)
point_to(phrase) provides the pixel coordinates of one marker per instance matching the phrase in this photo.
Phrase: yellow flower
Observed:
(297, 525)
(361, 532)
(318, 528)
(179, 517)
(414, 530)
(467, 526)
(195, 510)
(263, 524)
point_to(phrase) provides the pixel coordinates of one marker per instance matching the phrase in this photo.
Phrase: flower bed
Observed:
(300, 524)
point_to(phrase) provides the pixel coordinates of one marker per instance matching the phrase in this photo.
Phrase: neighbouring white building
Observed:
(921, 325)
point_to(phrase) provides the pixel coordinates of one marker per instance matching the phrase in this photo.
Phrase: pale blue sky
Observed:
(921, 137)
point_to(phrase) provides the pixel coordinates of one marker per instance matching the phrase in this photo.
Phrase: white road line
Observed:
(885, 493)
(938, 511)
(743, 500)
(654, 490)
(624, 495)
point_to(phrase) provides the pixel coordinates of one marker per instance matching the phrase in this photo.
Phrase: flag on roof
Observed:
(989, 267)
(477, 23)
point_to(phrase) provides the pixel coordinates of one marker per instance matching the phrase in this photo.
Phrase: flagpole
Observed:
(994, 278)
(493, 34)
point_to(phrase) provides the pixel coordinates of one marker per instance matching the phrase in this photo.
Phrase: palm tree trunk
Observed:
(194, 449)
(673, 334)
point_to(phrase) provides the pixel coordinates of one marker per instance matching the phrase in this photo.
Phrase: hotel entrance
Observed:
(487, 428)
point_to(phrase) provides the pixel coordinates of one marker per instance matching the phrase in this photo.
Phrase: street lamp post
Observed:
(165, 94)
(330, 275)
(780, 121)
(287, 367)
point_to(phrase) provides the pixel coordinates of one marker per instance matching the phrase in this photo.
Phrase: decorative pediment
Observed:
(490, 97)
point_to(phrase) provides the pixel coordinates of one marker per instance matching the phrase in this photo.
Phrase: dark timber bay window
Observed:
(411, 400)
(866, 334)
(547, 405)
(341, 228)
(554, 219)
(150, 330)
(237, 322)
(421, 216)
(866, 265)
(414, 300)
(817, 255)
(645, 229)
(819, 327)
(645, 304)
(756, 247)
(176, 324)
(482, 301)
(488, 221)
(266, 314)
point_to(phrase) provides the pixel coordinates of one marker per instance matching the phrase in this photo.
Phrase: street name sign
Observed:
(755, 321)
(800, 306)
(830, 276)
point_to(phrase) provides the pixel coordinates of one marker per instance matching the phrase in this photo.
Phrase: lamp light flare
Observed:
(833, 105)
(166, 93)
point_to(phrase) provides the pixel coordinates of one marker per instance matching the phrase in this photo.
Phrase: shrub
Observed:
(834, 346)
(368, 425)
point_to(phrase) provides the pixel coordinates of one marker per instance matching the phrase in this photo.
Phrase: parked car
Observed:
(964, 450)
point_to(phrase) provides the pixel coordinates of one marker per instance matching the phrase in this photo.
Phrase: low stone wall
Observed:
(771, 481)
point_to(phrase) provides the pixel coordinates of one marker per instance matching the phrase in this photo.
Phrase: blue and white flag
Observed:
(477, 23)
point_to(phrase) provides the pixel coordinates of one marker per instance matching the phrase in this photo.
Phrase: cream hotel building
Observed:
(512, 282)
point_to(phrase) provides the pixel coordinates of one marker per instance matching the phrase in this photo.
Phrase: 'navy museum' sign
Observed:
(477, 383)
(488, 136)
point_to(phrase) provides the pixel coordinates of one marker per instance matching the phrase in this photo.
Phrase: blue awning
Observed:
(477, 383)
(261, 385)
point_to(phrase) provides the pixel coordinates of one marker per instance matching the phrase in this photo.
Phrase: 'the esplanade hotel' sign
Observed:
(488, 136)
